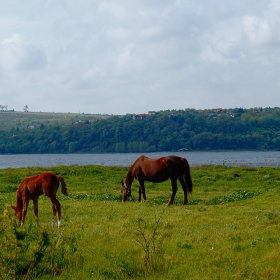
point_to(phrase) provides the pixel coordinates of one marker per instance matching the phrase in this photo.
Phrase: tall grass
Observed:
(31, 252)
(229, 230)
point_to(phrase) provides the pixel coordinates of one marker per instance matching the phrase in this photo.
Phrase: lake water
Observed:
(245, 158)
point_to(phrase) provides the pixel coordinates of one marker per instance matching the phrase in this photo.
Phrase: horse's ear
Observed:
(122, 183)
(14, 207)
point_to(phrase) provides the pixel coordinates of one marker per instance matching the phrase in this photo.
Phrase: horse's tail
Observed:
(63, 185)
(188, 177)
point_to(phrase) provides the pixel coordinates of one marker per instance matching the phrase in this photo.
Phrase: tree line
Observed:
(169, 130)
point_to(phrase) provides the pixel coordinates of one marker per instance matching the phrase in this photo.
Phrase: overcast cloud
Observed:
(133, 56)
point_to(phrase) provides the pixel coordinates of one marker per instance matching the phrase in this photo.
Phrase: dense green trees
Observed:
(238, 128)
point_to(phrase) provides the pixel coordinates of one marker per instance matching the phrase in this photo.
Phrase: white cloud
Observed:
(113, 8)
(257, 30)
(143, 55)
(117, 33)
(19, 54)
(264, 29)
(228, 49)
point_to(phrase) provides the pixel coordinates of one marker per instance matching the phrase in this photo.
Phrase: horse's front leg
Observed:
(24, 210)
(36, 211)
(142, 190)
(174, 190)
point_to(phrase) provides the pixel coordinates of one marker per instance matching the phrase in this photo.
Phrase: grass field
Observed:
(23, 119)
(229, 230)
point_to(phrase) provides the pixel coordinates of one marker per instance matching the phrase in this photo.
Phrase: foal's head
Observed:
(126, 192)
(18, 212)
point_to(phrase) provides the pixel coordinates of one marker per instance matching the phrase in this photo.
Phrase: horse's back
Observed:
(173, 158)
(40, 183)
(44, 178)
(49, 182)
(174, 164)
(150, 169)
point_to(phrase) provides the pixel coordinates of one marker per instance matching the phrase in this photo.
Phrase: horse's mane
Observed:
(129, 177)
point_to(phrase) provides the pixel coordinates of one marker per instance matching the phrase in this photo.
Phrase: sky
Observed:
(135, 56)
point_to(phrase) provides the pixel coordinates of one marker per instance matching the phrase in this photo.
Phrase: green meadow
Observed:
(229, 230)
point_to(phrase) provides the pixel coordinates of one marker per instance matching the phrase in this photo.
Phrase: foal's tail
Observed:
(188, 177)
(63, 185)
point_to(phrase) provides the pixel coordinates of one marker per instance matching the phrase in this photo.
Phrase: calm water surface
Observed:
(247, 158)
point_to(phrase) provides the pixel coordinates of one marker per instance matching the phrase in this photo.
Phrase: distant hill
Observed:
(15, 119)
(169, 130)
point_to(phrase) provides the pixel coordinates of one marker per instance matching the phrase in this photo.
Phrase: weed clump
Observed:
(151, 242)
(32, 252)
(239, 195)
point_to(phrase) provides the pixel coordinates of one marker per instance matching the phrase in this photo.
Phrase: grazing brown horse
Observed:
(158, 170)
(32, 187)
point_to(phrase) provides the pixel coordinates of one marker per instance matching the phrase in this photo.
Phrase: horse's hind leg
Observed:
(139, 194)
(54, 215)
(35, 203)
(174, 191)
(184, 186)
(56, 210)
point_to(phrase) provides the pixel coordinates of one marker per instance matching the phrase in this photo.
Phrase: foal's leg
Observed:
(56, 209)
(54, 215)
(174, 190)
(184, 186)
(35, 203)
(24, 209)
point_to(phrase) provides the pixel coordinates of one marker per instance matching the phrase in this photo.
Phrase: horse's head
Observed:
(18, 212)
(126, 192)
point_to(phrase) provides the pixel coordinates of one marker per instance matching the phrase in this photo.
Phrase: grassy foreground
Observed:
(229, 230)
